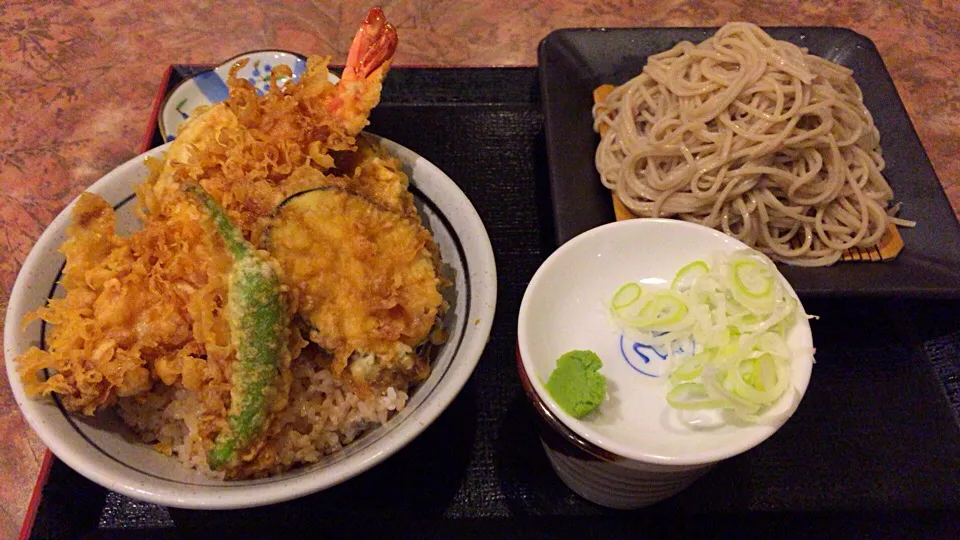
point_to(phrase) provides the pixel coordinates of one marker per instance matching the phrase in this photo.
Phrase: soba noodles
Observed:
(752, 136)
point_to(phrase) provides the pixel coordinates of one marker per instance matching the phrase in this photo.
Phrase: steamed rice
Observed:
(322, 417)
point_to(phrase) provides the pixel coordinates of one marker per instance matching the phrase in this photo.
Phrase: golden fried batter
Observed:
(137, 309)
(143, 322)
(366, 278)
(251, 152)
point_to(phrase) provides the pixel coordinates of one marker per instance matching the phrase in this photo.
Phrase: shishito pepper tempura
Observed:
(206, 331)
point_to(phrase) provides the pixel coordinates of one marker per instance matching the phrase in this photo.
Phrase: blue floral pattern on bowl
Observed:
(210, 87)
(654, 360)
(261, 77)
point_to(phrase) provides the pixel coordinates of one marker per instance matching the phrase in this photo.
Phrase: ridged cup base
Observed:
(619, 486)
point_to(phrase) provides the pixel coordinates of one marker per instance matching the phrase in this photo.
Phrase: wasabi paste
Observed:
(576, 384)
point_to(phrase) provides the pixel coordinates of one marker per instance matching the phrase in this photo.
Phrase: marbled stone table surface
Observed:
(77, 78)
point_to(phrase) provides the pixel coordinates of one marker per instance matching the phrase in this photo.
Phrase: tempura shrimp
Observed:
(251, 152)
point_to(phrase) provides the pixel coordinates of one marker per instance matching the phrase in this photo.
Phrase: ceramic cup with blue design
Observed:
(634, 449)
(209, 87)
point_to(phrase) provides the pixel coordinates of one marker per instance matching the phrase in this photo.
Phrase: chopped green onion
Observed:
(626, 295)
(687, 275)
(690, 368)
(737, 313)
(691, 396)
(752, 278)
(662, 311)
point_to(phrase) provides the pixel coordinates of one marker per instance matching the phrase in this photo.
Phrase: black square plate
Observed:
(573, 62)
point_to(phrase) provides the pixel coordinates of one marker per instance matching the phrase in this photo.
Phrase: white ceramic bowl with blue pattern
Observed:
(210, 87)
(104, 450)
(635, 449)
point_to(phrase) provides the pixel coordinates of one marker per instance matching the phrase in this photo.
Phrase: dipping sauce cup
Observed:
(634, 449)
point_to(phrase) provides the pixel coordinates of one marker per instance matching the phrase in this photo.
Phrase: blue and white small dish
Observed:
(210, 87)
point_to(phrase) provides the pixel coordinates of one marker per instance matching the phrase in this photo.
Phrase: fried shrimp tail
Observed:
(374, 45)
(368, 61)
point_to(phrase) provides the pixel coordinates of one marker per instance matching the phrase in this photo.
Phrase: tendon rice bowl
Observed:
(281, 296)
(260, 295)
(106, 450)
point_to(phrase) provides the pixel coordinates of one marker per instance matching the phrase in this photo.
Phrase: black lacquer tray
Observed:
(575, 61)
(873, 451)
